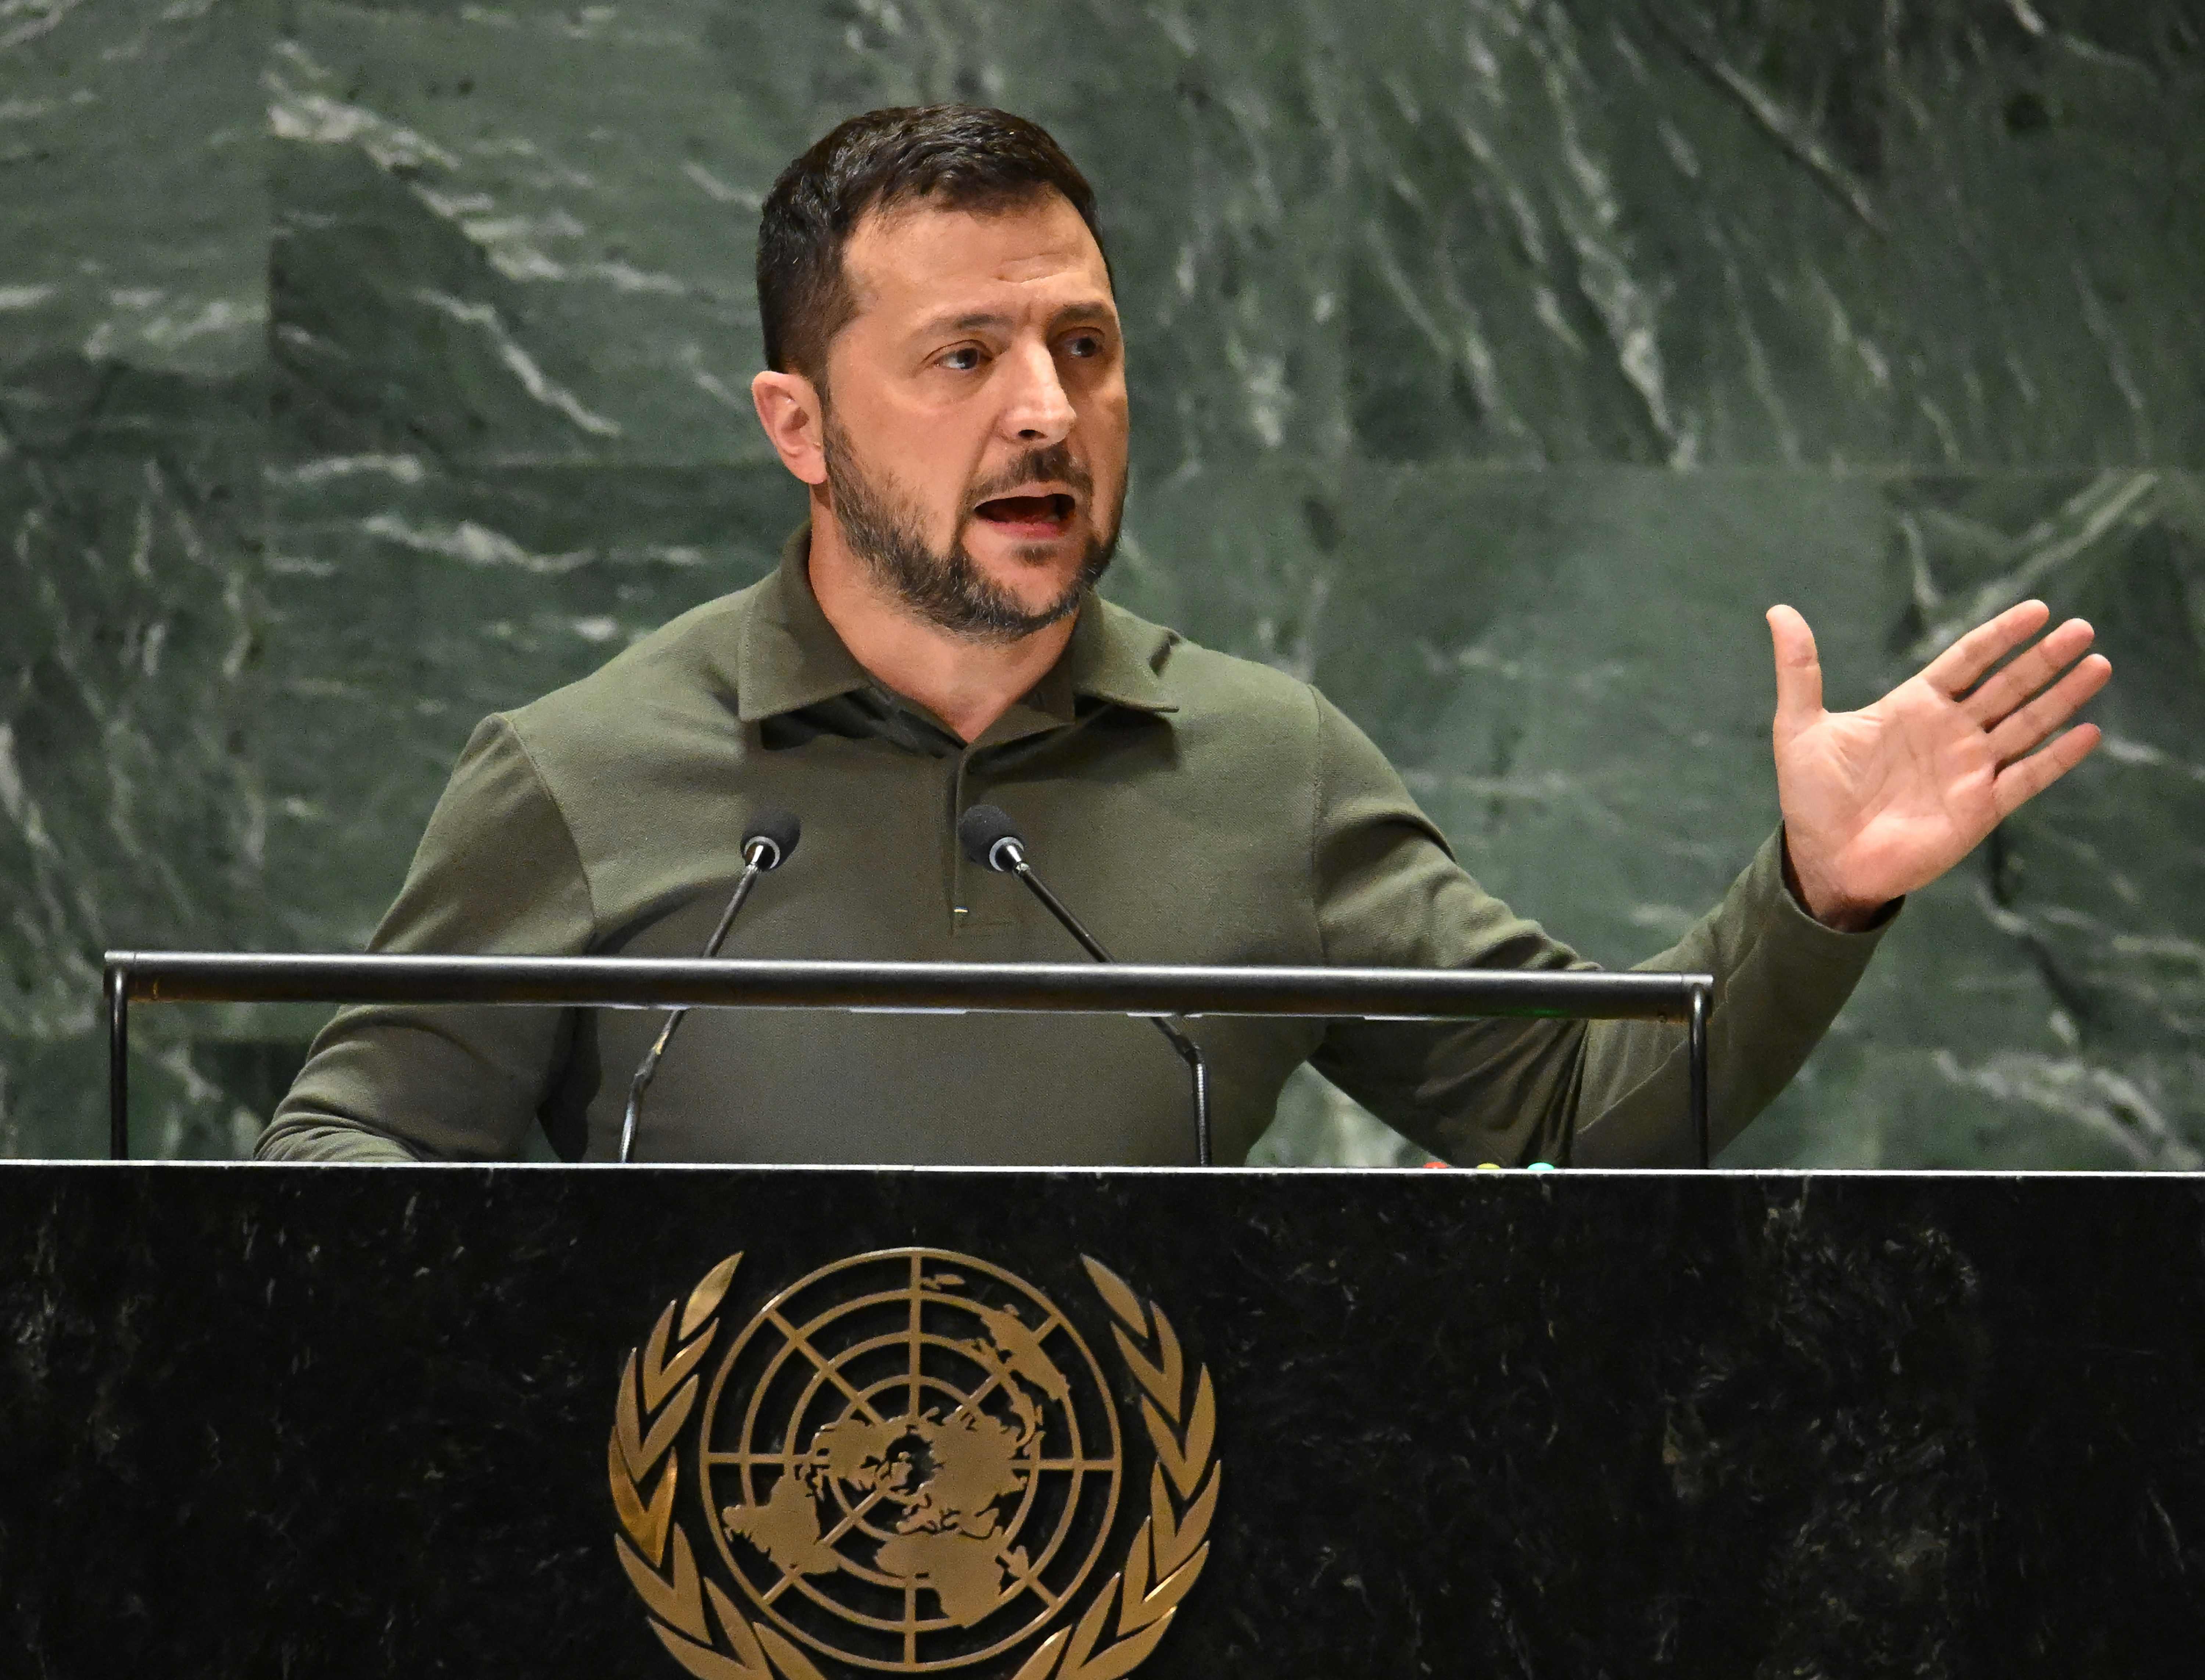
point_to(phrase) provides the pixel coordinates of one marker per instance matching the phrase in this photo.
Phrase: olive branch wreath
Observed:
(659, 1391)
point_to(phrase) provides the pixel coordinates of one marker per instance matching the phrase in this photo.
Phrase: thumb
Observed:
(1798, 671)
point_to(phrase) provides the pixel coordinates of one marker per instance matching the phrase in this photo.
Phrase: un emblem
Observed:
(908, 1461)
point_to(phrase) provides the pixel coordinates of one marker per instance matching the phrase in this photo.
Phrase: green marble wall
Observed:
(365, 367)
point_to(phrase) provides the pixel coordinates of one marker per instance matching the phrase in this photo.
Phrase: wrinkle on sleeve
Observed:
(496, 873)
(1391, 895)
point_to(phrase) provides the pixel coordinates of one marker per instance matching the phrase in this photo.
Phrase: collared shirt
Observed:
(1190, 807)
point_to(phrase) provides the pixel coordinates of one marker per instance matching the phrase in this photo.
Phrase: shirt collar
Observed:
(1118, 658)
(790, 656)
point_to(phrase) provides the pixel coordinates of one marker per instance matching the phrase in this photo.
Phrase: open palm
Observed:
(1881, 802)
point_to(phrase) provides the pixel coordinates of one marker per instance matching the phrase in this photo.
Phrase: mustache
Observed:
(1055, 462)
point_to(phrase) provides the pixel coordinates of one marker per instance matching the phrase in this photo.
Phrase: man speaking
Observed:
(946, 371)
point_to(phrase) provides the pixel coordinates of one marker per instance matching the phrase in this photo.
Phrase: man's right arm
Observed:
(496, 872)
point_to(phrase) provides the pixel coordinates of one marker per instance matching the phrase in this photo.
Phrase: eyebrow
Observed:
(1095, 311)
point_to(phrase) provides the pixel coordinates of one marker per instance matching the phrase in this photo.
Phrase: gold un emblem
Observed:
(909, 1462)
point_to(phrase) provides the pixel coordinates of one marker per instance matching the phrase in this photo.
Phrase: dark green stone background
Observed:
(365, 367)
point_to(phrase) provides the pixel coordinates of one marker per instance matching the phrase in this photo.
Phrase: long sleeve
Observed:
(1604, 1093)
(496, 872)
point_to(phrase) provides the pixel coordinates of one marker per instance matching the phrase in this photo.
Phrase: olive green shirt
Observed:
(1190, 807)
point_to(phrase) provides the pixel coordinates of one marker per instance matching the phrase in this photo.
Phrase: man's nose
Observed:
(1037, 411)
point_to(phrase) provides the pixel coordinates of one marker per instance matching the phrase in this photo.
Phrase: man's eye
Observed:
(963, 359)
(1085, 344)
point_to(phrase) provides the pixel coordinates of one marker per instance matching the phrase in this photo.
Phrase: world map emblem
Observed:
(911, 1461)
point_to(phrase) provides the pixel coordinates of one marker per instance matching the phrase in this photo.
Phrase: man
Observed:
(946, 373)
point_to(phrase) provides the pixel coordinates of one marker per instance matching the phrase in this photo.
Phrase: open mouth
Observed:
(1028, 515)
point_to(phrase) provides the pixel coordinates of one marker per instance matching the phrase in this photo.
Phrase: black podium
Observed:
(316, 1422)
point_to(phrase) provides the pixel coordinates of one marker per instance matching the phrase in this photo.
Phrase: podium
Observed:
(325, 1422)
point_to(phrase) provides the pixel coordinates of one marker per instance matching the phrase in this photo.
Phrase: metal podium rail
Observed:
(1116, 989)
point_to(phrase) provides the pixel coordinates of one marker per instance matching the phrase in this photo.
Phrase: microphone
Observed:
(769, 844)
(992, 840)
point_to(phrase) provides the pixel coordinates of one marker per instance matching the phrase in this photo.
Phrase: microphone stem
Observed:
(1056, 907)
(754, 868)
(1189, 1051)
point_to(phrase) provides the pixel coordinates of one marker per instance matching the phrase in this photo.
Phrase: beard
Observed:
(947, 588)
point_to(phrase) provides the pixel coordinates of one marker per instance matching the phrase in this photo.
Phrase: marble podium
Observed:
(339, 1420)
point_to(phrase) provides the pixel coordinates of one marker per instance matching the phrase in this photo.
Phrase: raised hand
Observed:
(1881, 802)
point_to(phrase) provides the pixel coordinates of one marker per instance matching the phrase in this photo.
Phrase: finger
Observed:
(2021, 732)
(2025, 778)
(1798, 671)
(2029, 671)
(1960, 666)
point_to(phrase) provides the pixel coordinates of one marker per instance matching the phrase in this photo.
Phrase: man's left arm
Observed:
(1877, 804)
(1587, 1093)
(1781, 976)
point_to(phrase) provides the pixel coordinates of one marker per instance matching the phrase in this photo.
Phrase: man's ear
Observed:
(790, 409)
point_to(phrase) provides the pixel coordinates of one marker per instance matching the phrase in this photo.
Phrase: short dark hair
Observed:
(955, 157)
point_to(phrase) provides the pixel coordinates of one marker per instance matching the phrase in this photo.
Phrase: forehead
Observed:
(918, 260)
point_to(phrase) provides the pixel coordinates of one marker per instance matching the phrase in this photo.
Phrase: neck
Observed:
(968, 685)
